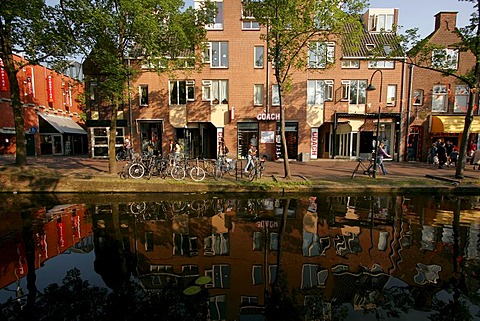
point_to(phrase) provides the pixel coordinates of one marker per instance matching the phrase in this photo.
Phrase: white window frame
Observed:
(347, 90)
(257, 270)
(440, 98)
(219, 17)
(250, 25)
(351, 64)
(258, 94)
(320, 54)
(143, 95)
(275, 95)
(418, 93)
(380, 22)
(445, 58)
(462, 94)
(391, 95)
(190, 84)
(258, 57)
(221, 47)
(213, 90)
(319, 91)
(179, 83)
(381, 64)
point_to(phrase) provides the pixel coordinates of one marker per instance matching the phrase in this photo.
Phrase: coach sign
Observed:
(265, 116)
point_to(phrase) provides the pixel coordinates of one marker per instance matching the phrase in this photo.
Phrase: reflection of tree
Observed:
(280, 304)
(76, 299)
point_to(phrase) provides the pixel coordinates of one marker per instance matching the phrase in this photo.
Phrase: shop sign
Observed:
(50, 89)
(268, 116)
(3, 78)
(314, 146)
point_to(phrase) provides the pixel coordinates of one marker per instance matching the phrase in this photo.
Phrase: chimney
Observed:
(446, 21)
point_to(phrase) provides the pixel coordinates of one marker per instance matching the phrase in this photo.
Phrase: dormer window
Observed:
(380, 22)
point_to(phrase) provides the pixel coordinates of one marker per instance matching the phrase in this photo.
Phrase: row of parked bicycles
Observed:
(179, 167)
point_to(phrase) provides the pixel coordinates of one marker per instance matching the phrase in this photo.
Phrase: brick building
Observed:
(437, 104)
(52, 112)
(328, 111)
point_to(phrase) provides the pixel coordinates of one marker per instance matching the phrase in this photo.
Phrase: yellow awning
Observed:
(453, 124)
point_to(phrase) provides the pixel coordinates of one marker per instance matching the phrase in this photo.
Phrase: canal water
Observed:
(240, 257)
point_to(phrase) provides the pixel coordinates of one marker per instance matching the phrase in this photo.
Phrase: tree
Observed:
(420, 52)
(111, 33)
(289, 27)
(28, 28)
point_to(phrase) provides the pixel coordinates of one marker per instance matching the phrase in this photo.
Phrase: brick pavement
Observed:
(328, 169)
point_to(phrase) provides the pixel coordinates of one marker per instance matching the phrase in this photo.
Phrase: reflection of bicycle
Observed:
(367, 169)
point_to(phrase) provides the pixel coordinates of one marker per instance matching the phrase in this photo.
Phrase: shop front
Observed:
(99, 133)
(291, 136)
(151, 135)
(60, 135)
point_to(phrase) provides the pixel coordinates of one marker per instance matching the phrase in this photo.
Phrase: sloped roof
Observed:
(370, 44)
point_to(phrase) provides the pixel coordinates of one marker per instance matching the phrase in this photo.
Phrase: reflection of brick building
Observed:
(55, 230)
(326, 253)
(52, 112)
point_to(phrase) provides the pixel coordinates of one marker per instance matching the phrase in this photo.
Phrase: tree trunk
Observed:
(112, 162)
(286, 164)
(472, 104)
(21, 148)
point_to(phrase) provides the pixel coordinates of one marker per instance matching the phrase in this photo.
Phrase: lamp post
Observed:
(371, 87)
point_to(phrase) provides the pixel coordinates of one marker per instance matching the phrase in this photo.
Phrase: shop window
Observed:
(320, 53)
(439, 98)
(461, 99)
(391, 95)
(418, 97)
(143, 95)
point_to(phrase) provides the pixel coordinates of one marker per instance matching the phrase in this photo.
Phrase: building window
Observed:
(257, 274)
(258, 95)
(275, 96)
(354, 91)
(439, 99)
(216, 54)
(320, 53)
(418, 97)
(309, 276)
(445, 58)
(258, 56)
(190, 90)
(143, 95)
(391, 95)
(382, 64)
(217, 307)
(217, 23)
(93, 91)
(351, 63)
(248, 300)
(380, 22)
(215, 91)
(461, 99)
(178, 92)
(250, 25)
(319, 91)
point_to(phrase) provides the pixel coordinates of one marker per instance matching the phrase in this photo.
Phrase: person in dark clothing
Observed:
(453, 158)
(449, 147)
(442, 155)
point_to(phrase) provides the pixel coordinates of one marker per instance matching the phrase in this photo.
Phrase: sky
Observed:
(421, 13)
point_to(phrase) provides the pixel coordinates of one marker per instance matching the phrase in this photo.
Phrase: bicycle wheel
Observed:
(197, 174)
(178, 173)
(252, 174)
(136, 171)
(231, 167)
(137, 208)
(120, 156)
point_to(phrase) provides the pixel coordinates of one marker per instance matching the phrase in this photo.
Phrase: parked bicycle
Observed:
(256, 170)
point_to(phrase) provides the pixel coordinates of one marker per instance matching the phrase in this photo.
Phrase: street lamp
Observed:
(371, 87)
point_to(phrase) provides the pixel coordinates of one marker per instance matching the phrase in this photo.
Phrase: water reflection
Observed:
(316, 257)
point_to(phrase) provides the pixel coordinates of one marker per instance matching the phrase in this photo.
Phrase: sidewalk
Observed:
(321, 171)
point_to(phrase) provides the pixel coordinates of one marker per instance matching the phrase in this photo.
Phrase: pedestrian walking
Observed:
(442, 154)
(222, 148)
(252, 152)
(381, 154)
